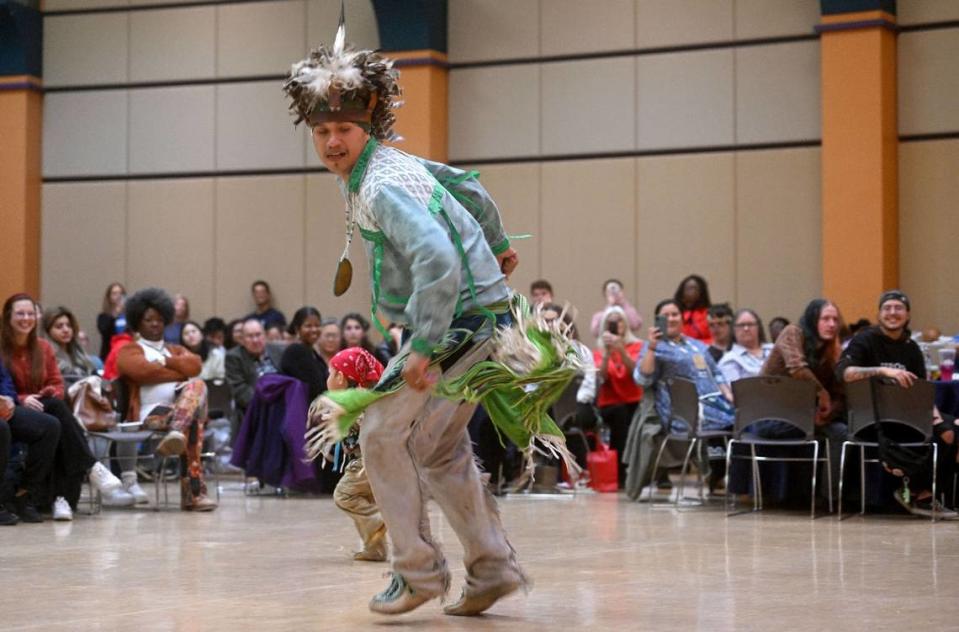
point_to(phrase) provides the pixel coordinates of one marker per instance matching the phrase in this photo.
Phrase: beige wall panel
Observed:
(922, 11)
(82, 246)
(516, 190)
(325, 237)
(172, 129)
(588, 230)
(685, 225)
(254, 129)
(76, 5)
(323, 16)
(685, 99)
(172, 44)
(85, 49)
(588, 106)
(494, 112)
(261, 38)
(85, 133)
(778, 93)
(574, 26)
(772, 18)
(259, 235)
(473, 22)
(778, 231)
(146, 2)
(170, 240)
(929, 232)
(672, 22)
(928, 81)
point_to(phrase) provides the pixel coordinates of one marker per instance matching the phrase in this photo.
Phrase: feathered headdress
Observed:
(345, 84)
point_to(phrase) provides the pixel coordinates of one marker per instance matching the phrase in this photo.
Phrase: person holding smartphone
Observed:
(618, 395)
(671, 354)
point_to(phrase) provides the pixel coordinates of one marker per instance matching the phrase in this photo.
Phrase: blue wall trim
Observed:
(21, 39)
(411, 24)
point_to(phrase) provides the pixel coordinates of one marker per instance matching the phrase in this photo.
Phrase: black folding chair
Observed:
(783, 399)
(684, 402)
(879, 400)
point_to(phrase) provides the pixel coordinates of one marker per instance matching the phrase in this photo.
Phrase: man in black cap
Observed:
(888, 350)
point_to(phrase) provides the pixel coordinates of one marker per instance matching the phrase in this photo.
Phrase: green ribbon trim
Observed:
(378, 239)
(359, 169)
(501, 247)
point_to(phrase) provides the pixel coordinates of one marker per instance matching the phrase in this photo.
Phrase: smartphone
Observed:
(613, 328)
(660, 324)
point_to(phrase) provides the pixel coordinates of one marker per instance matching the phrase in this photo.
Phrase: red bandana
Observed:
(358, 365)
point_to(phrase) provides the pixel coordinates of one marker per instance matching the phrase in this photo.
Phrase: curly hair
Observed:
(703, 300)
(139, 303)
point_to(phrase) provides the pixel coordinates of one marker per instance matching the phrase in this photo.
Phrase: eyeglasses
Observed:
(745, 325)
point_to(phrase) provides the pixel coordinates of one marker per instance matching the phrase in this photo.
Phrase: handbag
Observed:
(92, 406)
(603, 466)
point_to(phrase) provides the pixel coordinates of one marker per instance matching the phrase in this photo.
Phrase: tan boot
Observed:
(473, 602)
(398, 598)
(173, 444)
(374, 550)
(194, 502)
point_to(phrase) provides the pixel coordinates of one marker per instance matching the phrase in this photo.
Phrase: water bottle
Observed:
(604, 434)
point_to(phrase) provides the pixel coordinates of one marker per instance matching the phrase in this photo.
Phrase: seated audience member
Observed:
(693, 296)
(214, 331)
(776, 326)
(181, 314)
(249, 361)
(74, 364)
(356, 334)
(214, 358)
(84, 341)
(265, 312)
(111, 320)
(41, 433)
(618, 395)
(750, 350)
(673, 354)
(331, 339)
(162, 393)
(810, 351)
(613, 292)
(300, 359)
(390, 344)
(274, 334)
(540, 292)
(33, 366)
(234, 334)
(855, 327)
(888, 350)
(720, 319)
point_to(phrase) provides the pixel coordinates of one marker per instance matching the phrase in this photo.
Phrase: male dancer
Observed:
(438, 267)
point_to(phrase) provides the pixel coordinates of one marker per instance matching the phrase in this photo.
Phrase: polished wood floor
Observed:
(598, 562)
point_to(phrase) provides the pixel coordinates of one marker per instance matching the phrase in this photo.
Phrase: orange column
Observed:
(423, 119)
(860, 219)
(20, 180)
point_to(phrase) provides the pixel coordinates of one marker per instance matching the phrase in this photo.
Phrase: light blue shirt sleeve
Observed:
(644, 380)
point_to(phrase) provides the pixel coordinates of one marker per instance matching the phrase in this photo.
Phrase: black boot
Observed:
(7, 518)
(25, 509)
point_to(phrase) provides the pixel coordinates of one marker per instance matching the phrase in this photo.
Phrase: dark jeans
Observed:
(618, 417)
(73, 456)
(40, 433)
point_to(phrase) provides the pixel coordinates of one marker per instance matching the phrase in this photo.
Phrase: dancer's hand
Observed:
(416, 372)
(508, 260)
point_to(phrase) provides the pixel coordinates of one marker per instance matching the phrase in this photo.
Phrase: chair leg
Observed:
(682, 473)
(935, 469)
(757, 480)
(729, 460)
(652, 474)
(815, 466)
(828, 475)
(862, 480)
(842, 472)
(699, 471)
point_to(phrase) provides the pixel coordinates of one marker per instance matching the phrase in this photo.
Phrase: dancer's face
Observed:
(339, 145)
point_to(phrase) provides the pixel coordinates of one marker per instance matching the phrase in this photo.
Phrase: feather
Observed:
(339, 43)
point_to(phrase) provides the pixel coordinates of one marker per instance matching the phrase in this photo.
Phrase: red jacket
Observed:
(696, 325)
(51, 381)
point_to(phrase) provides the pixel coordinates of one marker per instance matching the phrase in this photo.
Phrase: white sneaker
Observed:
(132, 486)
(61, 510)
(102, 479)
(118, 497)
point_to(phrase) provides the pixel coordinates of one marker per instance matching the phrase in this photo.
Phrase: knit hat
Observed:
(345, 84)
(358, 365)
(895, 295)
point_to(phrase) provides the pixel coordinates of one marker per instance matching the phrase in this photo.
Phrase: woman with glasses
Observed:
(750, 350)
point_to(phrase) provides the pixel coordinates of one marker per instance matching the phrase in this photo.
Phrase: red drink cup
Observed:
(946, 369)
